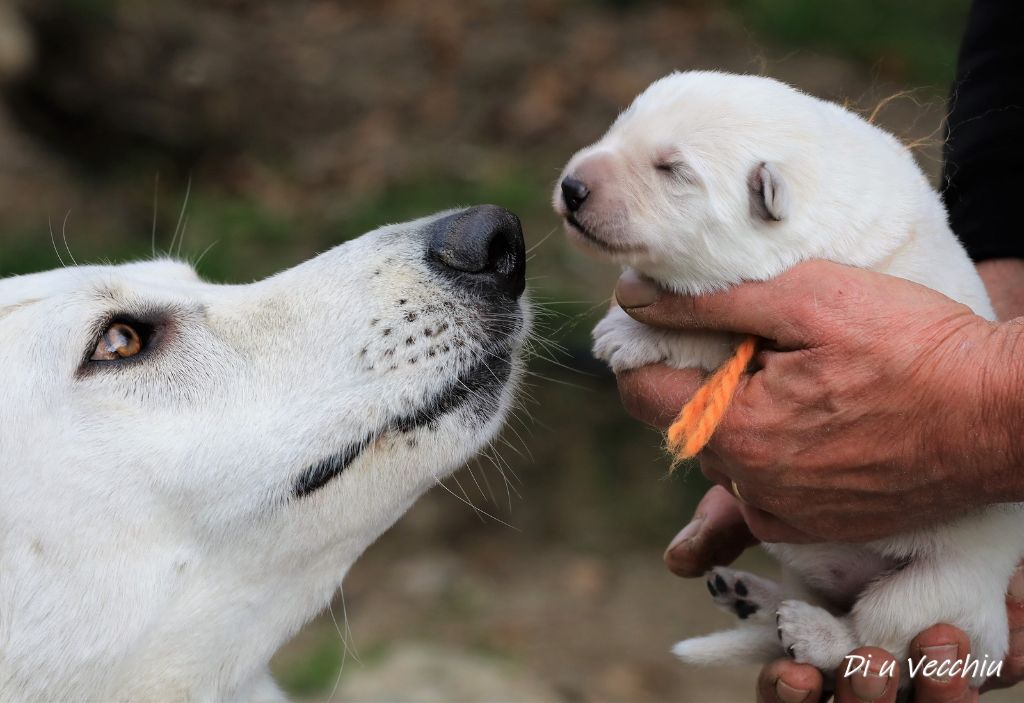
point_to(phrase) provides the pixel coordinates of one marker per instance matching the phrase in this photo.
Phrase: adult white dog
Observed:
(187, 470)
(710, 179)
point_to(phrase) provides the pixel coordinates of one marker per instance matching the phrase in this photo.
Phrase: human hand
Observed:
(879, 393)
(785, 681)
(717, 534)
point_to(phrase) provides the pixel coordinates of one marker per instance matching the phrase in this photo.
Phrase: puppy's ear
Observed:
(769, 195)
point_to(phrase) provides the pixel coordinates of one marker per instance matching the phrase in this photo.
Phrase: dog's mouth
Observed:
(595, 241)
(479, 388)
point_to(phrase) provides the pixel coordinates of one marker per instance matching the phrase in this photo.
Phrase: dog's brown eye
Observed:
(120, 341)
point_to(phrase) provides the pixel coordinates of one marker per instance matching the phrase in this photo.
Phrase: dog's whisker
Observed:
(543, 239)
(53, 241)
(469, 469)
(156, 202)
(345, 636)
(506, 469)
(468, 501)
(496, 466)
(498, 463)
(64, 236)
(525, 452)
(475, 509)
(487, 482)
(181, 240)
(206, 251)
(181, 218)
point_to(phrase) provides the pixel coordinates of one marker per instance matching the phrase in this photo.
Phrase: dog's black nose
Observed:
(574, 192)
(483, 245)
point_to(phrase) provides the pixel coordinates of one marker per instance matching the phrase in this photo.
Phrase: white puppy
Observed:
(710, 179)
(187, 470)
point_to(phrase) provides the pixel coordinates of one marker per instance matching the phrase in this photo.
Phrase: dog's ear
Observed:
(769, 195)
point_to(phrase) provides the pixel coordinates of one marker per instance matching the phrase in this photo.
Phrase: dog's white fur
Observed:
(152, 546)
(710, 179)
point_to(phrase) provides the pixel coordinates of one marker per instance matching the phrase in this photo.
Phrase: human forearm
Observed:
(1004, 417)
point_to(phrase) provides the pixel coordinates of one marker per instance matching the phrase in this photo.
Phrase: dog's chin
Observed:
(592, 241)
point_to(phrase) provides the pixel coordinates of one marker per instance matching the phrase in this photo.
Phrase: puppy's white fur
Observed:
(152, 545)
(710, 179)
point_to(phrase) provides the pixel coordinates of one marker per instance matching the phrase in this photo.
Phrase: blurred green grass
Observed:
(910, 40)
(231, 239)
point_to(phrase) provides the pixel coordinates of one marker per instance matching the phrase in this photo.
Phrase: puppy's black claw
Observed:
(790, 652)
(711, 589)
(741, 589)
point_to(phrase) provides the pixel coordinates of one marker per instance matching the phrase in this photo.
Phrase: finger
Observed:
(876, 682)
(655, 394)
(942, 646)
(714, 469)
(1013, 665)
(781, 309)
(785, 681)
(715, 536)
(716, 477)
(765, 527)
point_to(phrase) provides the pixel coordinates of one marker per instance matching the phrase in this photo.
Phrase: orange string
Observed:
(697, 421)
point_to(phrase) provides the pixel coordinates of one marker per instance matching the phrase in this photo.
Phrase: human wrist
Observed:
(1002, 402)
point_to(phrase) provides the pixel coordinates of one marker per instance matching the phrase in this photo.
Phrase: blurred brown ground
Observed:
(303, 123)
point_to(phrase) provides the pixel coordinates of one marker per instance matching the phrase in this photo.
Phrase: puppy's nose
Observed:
(574, 192)
(482, 246)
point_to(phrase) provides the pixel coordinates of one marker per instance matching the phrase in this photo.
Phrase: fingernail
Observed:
(634, 291)
(686, 534)
(940, 653)
(1016, 587)
(869, 687)
(788, 694)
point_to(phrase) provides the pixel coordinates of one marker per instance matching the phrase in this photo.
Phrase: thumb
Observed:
(1013, 665)
(941, 643)
(783, 309)
(715, 536)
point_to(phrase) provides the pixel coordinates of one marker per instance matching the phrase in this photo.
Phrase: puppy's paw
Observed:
(812, 635)
(746, 644)
(744, 595)
(624, 344)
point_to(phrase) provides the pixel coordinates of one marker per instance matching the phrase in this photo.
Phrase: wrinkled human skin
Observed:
(889, 398)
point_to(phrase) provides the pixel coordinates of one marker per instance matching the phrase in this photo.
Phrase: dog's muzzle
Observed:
(481, 252)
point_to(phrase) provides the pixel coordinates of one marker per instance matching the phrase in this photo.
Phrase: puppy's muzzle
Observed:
(482, 248)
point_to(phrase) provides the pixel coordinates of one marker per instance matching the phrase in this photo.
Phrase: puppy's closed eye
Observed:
(674, 167)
